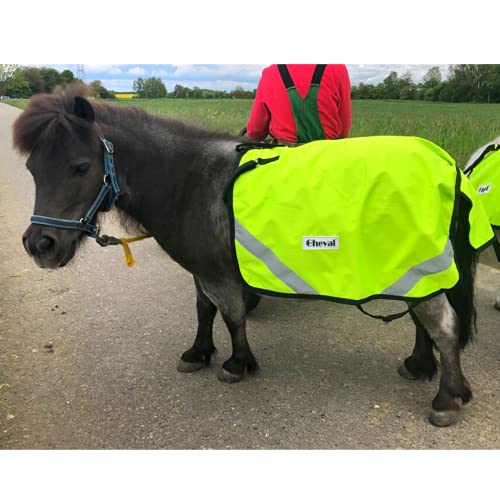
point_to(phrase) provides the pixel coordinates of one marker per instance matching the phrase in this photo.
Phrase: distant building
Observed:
(126, 95)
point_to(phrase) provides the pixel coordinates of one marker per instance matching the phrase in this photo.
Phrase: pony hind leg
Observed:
(421, 364)
(440, 320)
(229, 297)
(200, 354)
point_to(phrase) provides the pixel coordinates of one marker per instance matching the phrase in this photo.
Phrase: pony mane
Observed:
(46, 113)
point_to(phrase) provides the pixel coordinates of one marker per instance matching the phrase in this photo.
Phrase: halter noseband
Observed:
(109, 192)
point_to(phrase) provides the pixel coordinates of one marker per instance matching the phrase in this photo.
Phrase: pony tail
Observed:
(461, 296)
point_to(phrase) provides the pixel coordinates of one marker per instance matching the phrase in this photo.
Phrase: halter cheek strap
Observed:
(108, 195)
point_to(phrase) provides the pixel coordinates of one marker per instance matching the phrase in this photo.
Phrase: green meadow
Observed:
(459, 128)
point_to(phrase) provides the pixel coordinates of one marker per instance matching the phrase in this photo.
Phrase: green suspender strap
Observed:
(305, 111)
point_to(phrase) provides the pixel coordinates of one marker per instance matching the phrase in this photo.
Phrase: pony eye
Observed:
(82, 168)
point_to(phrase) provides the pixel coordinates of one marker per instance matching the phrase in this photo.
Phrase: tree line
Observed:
(151, 88)
(25, 81)
(465, 83)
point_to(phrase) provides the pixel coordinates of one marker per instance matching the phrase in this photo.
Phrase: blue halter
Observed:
(109, 192)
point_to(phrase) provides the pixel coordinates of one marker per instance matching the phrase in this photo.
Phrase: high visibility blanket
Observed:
(483, 170)
(351, 219)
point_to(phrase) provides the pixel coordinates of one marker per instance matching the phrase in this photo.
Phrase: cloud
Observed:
(107, 69)
(160, 72)
(375, 73)
(227, 76)
(236, 72)
(137, 70)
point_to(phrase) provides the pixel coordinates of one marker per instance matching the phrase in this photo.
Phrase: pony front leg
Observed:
(440, 320)
(200, 354)
(229, 298)
(242, 358)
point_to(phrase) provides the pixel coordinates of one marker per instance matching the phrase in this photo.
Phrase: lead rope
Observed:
(106, 240)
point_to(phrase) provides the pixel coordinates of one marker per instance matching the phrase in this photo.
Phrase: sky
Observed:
(120, 77)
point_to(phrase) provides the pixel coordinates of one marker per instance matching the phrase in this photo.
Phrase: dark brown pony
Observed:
(172, 177)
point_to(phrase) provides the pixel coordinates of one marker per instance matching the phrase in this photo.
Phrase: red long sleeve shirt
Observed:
(272, 111)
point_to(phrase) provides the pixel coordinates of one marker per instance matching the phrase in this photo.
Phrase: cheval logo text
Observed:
(320, 242)
(484, 189)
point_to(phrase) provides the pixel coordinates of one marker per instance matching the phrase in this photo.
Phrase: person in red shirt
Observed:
(298, 103)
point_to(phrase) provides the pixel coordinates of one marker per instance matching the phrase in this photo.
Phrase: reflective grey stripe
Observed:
(415, 274)
(267, 256)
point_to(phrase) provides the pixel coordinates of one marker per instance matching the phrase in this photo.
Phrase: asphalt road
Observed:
(328, 375)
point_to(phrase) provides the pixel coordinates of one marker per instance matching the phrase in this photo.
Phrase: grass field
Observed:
(457, 128)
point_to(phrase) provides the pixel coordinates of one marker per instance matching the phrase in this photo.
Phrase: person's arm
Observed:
(258, 123)
(345, 110)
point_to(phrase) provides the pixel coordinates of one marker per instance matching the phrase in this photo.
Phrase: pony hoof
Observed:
(228, 377)
(405, 373)
(443, 418)
(187, 367)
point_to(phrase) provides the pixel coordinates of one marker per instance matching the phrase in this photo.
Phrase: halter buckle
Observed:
(109, 146)
(91, 229)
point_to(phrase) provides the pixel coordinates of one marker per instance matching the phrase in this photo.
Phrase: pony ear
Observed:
(83, 109)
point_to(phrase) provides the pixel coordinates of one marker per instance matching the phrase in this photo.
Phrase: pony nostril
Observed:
(29, 246)
(45, 244)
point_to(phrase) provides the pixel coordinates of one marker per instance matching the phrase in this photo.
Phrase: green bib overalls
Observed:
(305, 111)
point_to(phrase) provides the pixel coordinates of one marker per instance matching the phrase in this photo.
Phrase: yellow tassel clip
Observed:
(129, 260)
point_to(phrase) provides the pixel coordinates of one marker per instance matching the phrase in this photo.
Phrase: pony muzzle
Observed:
(47, 248)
